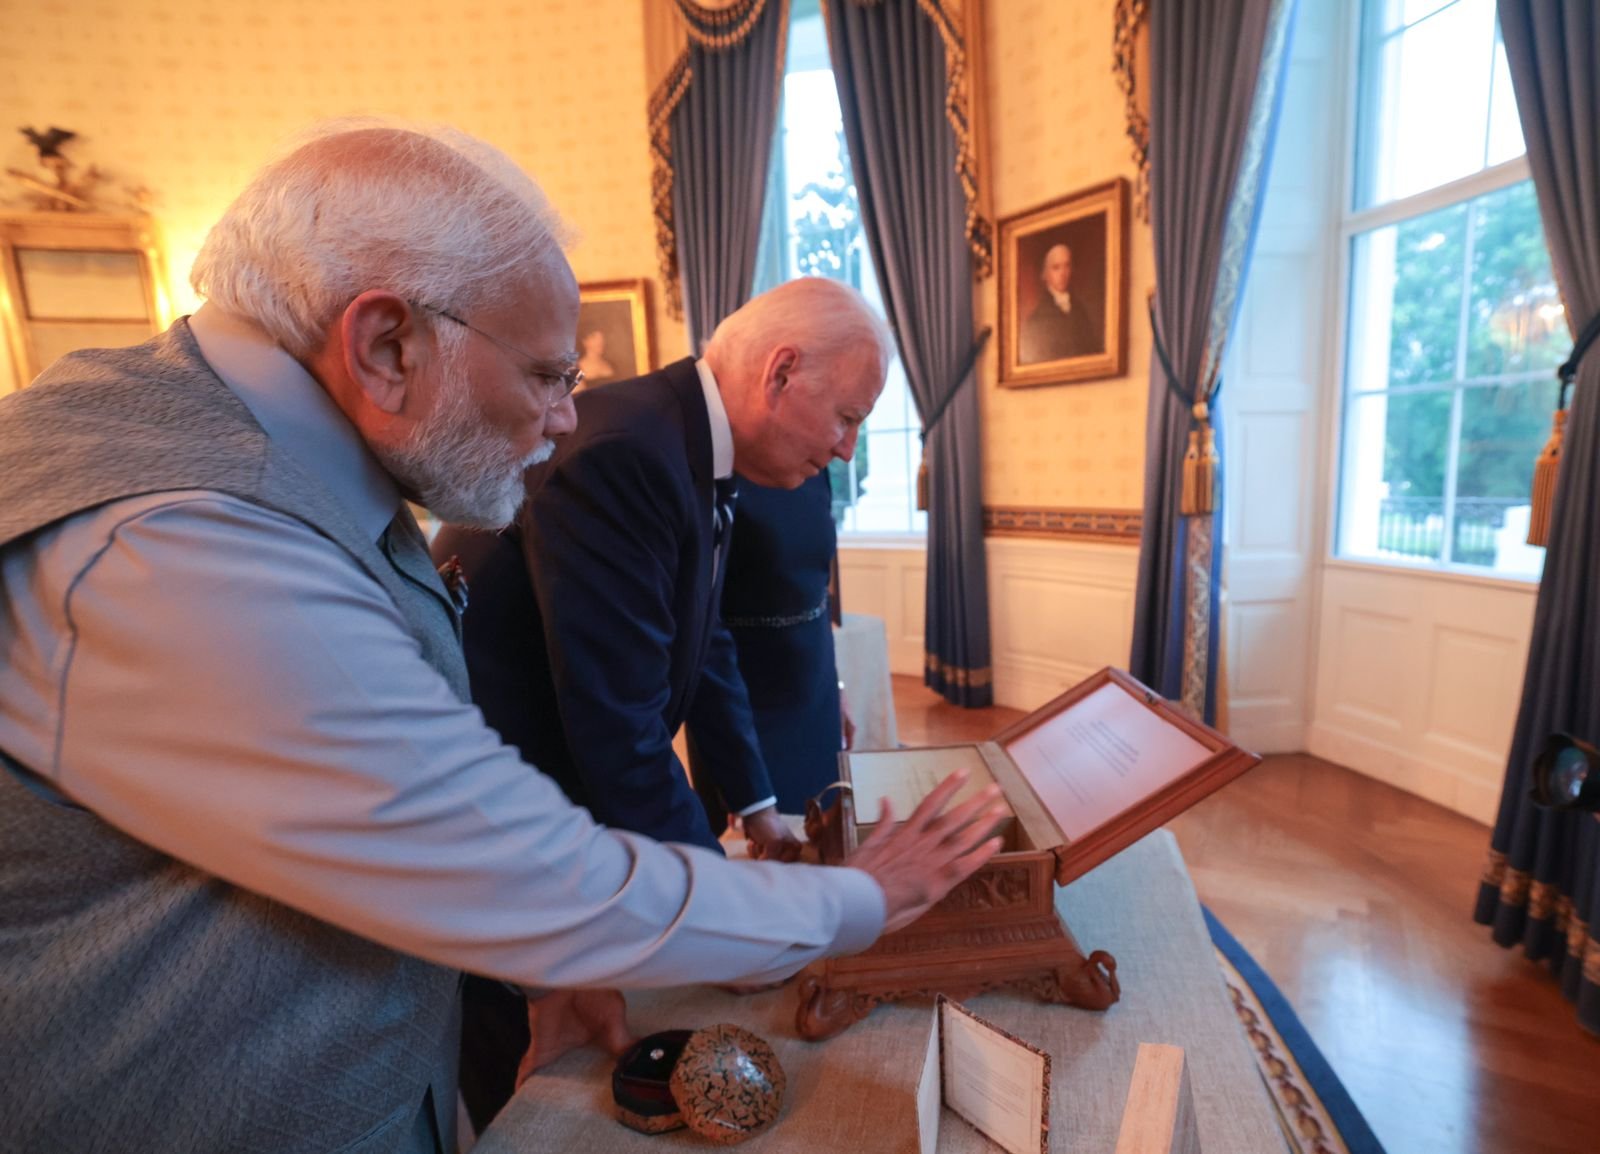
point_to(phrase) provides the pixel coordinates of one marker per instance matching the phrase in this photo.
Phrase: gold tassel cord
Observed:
(1545, 470)
(1547, 466)
(922, 482)
(1201, 463)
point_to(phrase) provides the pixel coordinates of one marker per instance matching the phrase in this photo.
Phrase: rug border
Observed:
(1320, 1076)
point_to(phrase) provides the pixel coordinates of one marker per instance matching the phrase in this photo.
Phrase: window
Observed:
(811, 226)
(1454, 324)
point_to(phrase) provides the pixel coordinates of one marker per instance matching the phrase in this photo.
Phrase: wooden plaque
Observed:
(1084, 777)
(1159, 1115)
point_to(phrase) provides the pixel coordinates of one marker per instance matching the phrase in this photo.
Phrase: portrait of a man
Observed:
(1065, 319)
(1063, 290)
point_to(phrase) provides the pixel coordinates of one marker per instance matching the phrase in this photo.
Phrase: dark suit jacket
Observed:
(592, 630)
(775, 606)
(1049, 334)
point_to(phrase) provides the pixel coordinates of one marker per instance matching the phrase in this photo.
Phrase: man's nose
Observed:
(846, 448)
(562, 419)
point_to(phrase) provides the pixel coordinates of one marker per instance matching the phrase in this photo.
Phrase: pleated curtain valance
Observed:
(679, 35)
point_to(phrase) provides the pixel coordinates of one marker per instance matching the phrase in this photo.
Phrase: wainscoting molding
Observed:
(1418, 680)
(1059, 609)
(1119, 525)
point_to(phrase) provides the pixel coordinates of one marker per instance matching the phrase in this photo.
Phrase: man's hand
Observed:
(562, 1020)
(770, 836)
(919, 861)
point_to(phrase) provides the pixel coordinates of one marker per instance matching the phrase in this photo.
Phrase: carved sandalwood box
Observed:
(1084, 777)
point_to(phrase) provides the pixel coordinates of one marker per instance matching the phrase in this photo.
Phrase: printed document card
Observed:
(996, 1082)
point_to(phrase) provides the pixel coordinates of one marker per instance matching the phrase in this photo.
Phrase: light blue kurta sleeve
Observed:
(225, 685)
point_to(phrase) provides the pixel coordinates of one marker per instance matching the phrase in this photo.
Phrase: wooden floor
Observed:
(1356, 899)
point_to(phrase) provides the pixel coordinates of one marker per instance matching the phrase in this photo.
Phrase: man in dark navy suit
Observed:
(593, 633)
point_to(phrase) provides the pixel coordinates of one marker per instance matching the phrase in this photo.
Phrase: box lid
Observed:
(1103, 764)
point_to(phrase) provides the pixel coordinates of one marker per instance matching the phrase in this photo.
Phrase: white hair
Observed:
(829, 320)
(426, 212)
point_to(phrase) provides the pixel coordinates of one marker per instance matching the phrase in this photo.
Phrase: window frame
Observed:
(1351, 224)
(848, 537)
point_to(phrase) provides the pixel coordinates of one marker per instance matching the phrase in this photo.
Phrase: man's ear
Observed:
(782, 363)
(383, 347)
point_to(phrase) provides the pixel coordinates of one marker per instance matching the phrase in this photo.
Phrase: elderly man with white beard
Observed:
(252, 828)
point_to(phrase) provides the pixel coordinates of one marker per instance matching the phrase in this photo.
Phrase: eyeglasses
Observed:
(562, 378)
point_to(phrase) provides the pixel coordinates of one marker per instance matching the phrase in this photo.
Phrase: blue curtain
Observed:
(1542, 885)
(893, 72)
(720, 108)
(1215, 89)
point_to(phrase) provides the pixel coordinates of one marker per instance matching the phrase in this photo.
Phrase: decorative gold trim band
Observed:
(1494, 869)
(1591, 961)
(1129, 18)
(1543, 901)
(1514, 889)
(957, 675)
(1119, 526)
(709, 27)
(663, 101)
(1577, 934)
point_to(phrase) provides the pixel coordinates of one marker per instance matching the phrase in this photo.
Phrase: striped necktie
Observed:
(726, 493)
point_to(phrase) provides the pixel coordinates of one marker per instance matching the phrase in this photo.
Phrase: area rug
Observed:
(1314, 1109)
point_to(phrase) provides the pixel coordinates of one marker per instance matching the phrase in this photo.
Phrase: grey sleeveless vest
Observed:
(146, 1005)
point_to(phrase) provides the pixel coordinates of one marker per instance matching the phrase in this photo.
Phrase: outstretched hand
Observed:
(920, 860)
(563, 1020)
(770, 837)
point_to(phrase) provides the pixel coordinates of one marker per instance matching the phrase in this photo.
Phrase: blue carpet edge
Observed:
(1342, 1110)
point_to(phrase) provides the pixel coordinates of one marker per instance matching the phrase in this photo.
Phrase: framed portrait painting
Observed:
(615, 340)
(1064, 289)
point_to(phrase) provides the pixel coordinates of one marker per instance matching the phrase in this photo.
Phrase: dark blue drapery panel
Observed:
(722, 131)
(1216, 69)
(889, 59)
(1542, 884)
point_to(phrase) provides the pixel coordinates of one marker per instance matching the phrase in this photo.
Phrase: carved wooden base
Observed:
(836, 994)
(998, 929)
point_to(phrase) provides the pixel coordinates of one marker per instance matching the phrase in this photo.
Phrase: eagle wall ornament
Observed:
(63, 191)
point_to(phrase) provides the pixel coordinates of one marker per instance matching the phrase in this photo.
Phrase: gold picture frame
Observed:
(616, 338)
(71, 280)
(1063, 288)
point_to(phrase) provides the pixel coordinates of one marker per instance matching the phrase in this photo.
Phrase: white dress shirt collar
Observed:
(1063, 300)
(721, 430)
(295, 410)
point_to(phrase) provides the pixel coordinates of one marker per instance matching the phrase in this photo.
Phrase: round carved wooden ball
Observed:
(728, 1083)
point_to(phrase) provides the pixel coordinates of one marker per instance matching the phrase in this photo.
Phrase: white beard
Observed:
(457, 465)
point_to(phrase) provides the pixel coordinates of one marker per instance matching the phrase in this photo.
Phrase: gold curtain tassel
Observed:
(1545, 468)
(1200, 466)
(922, 483)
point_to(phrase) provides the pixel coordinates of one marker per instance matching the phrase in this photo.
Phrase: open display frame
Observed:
(1085, 776)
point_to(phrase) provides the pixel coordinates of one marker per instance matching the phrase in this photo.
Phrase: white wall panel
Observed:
(1270, 451)
(1418, 680)
(1371, 675)
(1475, 686)
(1058, 610)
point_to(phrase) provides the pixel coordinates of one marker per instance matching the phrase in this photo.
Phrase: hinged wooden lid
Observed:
(1084, 830)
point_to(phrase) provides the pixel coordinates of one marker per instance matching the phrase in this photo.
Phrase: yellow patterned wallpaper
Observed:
(188, 97)
(1056, 124)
